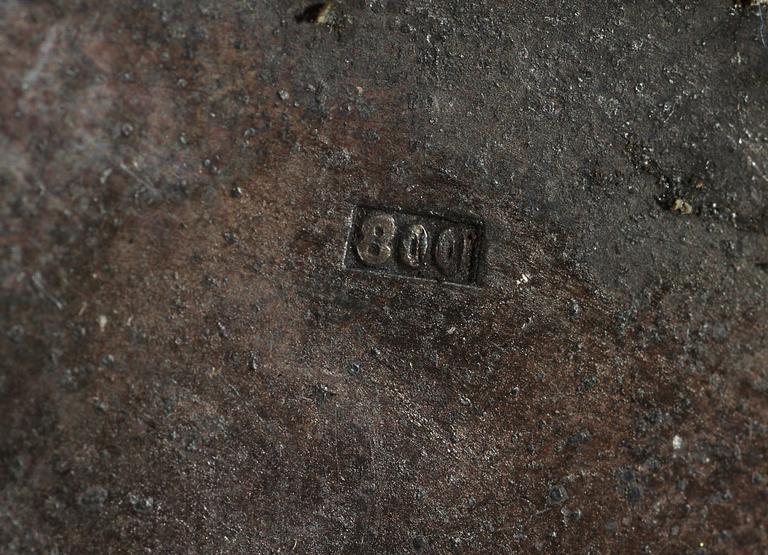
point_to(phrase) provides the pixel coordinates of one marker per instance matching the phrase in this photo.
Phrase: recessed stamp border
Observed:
(478, 262)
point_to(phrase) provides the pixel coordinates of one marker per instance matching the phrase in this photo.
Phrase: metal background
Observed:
(186, 367)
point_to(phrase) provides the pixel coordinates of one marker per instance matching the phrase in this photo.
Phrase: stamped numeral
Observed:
(374, 245)
(414, 245)
(423, 246)
(447, 255)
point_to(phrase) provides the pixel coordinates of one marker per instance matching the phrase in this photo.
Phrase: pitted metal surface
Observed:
(206, 349)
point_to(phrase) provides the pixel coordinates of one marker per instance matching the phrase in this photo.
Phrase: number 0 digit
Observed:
(414, 245)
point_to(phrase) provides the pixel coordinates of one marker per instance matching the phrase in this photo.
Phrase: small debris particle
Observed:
(677, 443)
(557, 494)
(586, 384)
(322, 393)
(284, 95)
(629, 485)
(102, 323)
(574, 515)
(354, 369)
(575, 308)
(141, 504)
(581, 437)
(318, 13)
(419, 542)
(682, 206)
(93, 498)
(634, 493)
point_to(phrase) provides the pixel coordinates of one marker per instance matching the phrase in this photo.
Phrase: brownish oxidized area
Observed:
(187, 364)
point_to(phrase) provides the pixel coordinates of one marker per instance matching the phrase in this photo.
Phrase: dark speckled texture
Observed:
(186, 367)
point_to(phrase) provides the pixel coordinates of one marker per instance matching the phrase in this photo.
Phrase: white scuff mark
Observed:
(105, 175)
(752, 146)
(525, 278)
(33, 75)
(102, 323)
(757, 168)
(145, 184)
(39, 283)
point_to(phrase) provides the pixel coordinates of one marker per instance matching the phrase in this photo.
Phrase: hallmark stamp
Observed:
(415, 245)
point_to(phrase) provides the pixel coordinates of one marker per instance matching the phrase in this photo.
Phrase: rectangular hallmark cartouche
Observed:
(415, 245)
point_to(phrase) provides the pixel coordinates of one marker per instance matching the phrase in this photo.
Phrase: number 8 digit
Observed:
(374, 245)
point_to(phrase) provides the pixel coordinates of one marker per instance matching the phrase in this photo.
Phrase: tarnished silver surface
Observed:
(383, 277)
